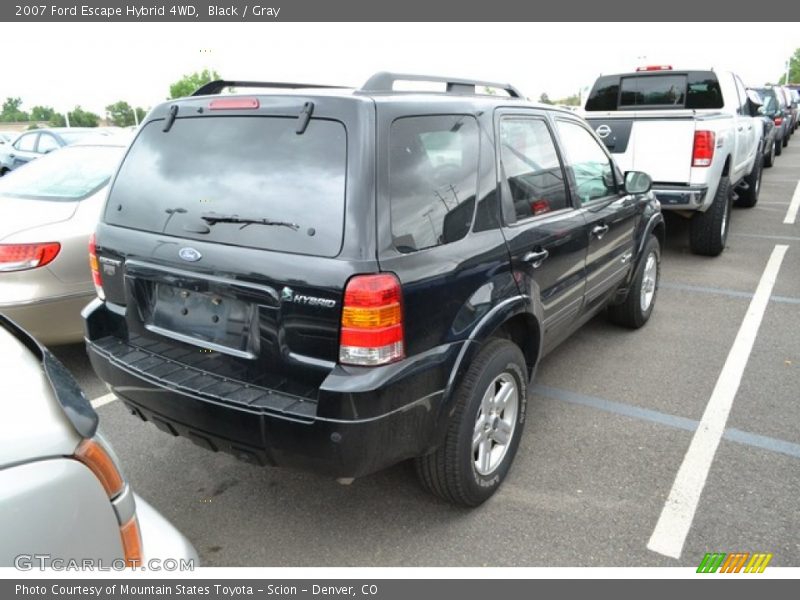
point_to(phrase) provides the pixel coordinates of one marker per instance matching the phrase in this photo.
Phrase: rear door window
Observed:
(243, 181)
(530, 167)
(433, 174)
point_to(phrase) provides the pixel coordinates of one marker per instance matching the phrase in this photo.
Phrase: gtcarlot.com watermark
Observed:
(29, 562)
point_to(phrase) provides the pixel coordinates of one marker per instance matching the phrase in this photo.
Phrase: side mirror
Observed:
(637, 182)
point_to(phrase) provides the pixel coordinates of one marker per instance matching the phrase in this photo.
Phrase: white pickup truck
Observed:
(694, 132)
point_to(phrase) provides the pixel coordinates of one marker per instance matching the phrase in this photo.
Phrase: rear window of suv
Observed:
(692, 90)
(237, 168)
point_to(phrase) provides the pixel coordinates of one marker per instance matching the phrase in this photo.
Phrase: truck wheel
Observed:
(769, 159)
(748, 198)
(484, 430)
(637, 307)
(708, 230)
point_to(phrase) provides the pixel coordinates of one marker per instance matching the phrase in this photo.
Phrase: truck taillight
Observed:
(372, 321)
(19, 257)
(95, 266)
(778, 121)
(703, 151)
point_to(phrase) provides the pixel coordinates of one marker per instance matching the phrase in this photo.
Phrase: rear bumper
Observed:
(680, 197)
(271, 427)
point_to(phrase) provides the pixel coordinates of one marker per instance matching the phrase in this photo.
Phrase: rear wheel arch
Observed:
(522, 329)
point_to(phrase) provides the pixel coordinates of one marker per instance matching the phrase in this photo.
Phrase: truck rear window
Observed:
(692, 90)
(243, 181)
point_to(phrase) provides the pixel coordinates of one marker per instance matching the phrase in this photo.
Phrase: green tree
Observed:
(794, 69)
(42, 113)
(12, 111)
(120, 114)
(545, 99)
(187, 84)
(77, 118)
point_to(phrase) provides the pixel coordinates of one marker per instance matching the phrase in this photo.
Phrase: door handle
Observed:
(599, 231)
(12, 156)
(536, 257)
(739, 128)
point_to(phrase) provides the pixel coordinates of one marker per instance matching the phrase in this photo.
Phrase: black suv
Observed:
(341, 279)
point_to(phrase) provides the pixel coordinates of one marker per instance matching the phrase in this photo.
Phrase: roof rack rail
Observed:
(384, 82)
(215, 87)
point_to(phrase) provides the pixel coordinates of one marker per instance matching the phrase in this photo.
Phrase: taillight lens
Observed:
(778, 121)
(94, 456)
(233, 104)
(703, 152)
(95, 266)
(372, 321)
(19, 257)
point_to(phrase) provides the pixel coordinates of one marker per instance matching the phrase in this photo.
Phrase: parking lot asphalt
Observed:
(611, 418)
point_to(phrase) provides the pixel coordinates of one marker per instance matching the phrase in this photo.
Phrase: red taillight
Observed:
(95, 266)
(655, 68)
(19, 257)
(372, 321)
(778, 121)
(233, 104)
(703, 152)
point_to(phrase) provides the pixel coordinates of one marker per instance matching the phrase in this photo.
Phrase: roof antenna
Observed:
(173, 112)
(304, 118)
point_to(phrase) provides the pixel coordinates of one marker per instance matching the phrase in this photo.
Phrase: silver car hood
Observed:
(19, 214)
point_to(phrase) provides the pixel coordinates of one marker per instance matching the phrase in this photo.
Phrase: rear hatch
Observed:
(224, 237)
(647, 119)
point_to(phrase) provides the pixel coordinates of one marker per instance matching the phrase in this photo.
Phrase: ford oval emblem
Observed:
(189, 254)
(603, 131)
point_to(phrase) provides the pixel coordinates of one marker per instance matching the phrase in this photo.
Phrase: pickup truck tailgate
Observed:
(659, 145)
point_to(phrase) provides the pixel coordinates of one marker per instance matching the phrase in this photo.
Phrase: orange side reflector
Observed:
(100, 463)
(132, 543)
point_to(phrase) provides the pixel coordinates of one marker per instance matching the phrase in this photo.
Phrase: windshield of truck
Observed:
(243, 181)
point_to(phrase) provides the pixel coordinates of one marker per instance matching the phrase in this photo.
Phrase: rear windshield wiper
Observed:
(214, 218)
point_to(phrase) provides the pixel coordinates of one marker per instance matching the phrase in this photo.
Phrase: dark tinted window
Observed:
(652, 90)
(531, 167)
(433, 171)
(594, 175)
(695, 90)
(249, 167)
(604, 95)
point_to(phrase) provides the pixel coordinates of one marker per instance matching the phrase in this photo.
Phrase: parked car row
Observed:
(702, 135)
(30, 145)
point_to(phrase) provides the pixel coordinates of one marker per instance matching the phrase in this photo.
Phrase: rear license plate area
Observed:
(202, 318)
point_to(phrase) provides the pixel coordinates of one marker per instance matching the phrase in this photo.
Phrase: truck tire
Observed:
(779, 147)
(637, 307)
(708, 230)
(748, 198)
(472, 462)
(769, 159)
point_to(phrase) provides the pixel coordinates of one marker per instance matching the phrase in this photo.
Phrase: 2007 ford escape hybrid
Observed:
(339, 280)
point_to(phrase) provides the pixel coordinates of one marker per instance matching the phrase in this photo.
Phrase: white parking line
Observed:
(678, 512)
(791, 214)
(103, 400)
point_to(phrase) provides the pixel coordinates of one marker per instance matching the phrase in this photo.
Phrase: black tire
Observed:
(779, 147)
(631, 313)
(749, 197)
(450, 471)
(708, 230)
(769, 159)
(786, 139)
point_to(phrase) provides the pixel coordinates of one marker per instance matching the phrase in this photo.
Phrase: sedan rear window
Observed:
(69, 174)
(243, 181)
